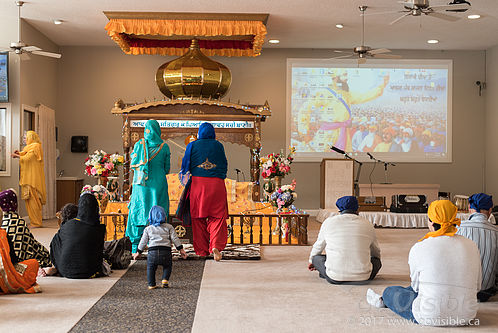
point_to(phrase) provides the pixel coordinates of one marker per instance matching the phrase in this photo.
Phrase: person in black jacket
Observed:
(76, 250)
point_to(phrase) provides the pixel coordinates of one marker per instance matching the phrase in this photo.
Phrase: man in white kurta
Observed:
(445, 272)
(352, 253)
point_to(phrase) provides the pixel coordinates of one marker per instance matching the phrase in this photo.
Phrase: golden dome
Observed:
(193, 75)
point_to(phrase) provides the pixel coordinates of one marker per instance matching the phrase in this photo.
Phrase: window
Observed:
(5, 128)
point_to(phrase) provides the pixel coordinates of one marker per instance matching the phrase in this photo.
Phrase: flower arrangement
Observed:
(102, 164)
(277, 165)
(284, 196)
(99, 191)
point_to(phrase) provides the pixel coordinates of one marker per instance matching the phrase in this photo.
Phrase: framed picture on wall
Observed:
(5, 135)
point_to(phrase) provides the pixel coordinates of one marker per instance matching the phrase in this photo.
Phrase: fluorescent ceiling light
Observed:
(432, 41)
(339, 26)
(58, 22)
(474, 16)
(273, 41)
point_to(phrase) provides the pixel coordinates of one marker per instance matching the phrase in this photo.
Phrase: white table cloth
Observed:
(392, 220)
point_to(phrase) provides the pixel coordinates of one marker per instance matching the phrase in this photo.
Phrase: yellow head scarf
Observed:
(33, 144)
(444, 213)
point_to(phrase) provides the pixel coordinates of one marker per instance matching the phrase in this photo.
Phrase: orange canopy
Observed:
(173, 36)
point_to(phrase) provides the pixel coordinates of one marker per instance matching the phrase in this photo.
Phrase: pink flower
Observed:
(109, 166)
(93, 171)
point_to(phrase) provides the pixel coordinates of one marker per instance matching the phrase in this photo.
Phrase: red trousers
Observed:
(209, 233)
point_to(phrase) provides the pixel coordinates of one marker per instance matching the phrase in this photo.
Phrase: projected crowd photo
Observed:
(383, 110)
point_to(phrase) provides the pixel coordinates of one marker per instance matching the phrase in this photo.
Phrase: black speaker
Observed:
(79, 144)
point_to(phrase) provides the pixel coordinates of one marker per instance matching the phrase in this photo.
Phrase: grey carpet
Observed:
(130, 307)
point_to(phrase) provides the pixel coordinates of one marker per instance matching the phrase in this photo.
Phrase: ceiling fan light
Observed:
(273, 41)
(339, 25)
(474, 16)
(58, 22)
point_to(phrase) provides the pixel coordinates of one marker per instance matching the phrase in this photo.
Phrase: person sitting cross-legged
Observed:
(352, 252)
(445, 272)
(478, 229)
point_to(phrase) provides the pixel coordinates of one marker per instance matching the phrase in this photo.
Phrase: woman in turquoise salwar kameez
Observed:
(150, 161)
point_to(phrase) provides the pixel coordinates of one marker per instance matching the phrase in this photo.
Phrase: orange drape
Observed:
(12, 281)
(118, 28)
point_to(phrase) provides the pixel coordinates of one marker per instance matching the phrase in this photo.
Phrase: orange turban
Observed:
(443, 212)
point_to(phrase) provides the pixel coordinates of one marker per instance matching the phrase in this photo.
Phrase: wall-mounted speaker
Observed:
(79, 144)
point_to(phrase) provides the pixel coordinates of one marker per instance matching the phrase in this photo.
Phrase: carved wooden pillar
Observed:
(126, 149)
(255, 173)
(255, 154)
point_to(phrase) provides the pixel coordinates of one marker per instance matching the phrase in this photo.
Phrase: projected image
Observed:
(4, 94)
(359, 110)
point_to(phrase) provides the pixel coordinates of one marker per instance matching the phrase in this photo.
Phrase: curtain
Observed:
(46, 132)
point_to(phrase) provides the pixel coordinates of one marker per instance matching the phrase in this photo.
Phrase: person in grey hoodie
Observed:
(159, 235)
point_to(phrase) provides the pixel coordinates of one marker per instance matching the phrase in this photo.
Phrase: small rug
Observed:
(130, 307)
(231, 252)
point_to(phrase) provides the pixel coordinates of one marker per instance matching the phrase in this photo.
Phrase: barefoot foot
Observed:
(216, 254)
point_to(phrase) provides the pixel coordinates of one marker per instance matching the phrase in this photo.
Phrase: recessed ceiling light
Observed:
(432, 41)
(474, 16)
(58, 22)
(339, 26)
(273, 41)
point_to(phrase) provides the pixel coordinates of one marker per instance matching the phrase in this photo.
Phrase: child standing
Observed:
(159, 235)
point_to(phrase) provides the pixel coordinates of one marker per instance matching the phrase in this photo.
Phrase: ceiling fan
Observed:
(22, 49)
(363, 51)
(419, 7)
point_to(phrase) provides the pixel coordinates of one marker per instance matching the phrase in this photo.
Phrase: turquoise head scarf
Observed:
(144, 149)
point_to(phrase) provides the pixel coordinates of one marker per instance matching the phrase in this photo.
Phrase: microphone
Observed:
(237, 170)
(370, 155)
(337, 150)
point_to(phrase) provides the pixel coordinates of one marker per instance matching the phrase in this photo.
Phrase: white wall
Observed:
(91, 79)
(491, 131)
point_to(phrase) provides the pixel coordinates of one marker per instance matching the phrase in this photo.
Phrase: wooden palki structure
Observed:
(234, 123)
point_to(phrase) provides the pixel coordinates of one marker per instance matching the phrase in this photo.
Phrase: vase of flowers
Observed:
(100, 193)
(284, 196)
(101, 164)
(275, 166)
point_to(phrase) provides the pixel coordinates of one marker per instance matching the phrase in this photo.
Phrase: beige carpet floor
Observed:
(279, 294)
(275, 294)
(61, 303)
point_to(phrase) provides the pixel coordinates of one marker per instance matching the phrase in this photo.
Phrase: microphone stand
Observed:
(386, 164)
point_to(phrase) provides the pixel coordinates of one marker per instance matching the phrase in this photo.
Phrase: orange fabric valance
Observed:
(145, 31)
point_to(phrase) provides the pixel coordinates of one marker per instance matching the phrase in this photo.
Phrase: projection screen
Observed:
(396, 110)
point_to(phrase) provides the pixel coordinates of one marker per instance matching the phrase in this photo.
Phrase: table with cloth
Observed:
(393, 220)
(239, 197)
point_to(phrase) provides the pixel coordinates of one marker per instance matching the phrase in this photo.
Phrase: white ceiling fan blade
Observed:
(444, 16)
(24, 56)
(379, 51)
(400, 18)
(31, 48)
(47, 54)
(343, 56)
(362, 61)
(387, 56)
(381, 13)
(5, 50)
(461, 6)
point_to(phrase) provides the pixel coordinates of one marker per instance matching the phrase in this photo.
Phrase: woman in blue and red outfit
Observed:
(206, 162)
